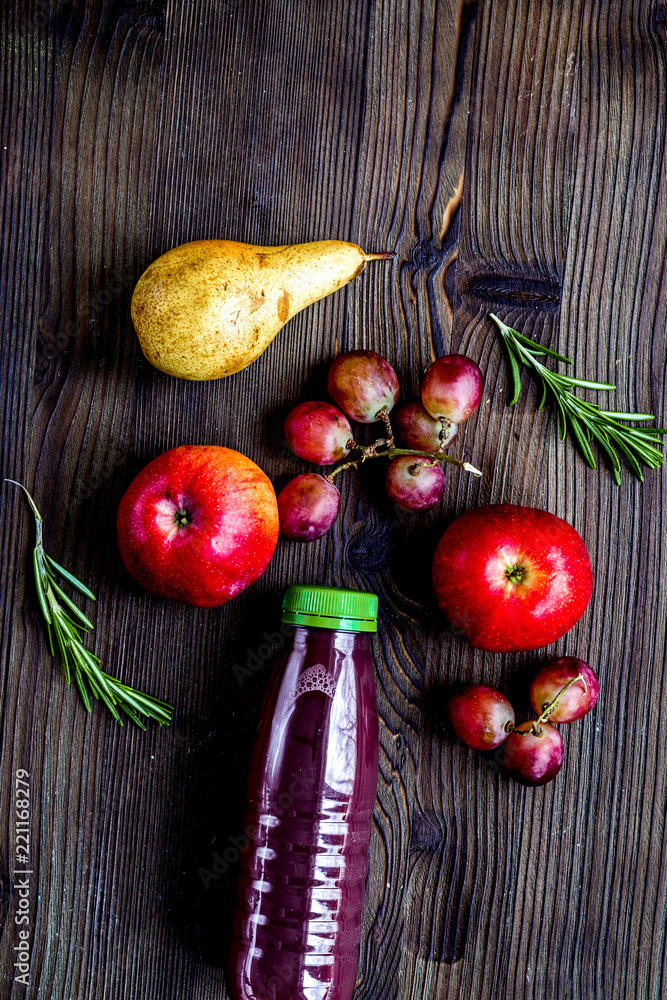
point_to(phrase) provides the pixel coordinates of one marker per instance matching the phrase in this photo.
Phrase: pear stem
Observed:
(379, 256)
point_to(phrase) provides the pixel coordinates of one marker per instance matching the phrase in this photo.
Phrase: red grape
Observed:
(318, 432)
(307, 507)
(415, 483)
(480, 716)
(573, 703)
(417, 429)
(362, 383)
(534, 760)
(452, 388)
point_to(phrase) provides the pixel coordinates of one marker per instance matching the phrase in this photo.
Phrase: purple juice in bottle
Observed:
(311, 793)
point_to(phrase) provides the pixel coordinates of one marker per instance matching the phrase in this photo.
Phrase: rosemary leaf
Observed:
(515, 371)
(566, 380)
(645, 435)
(82, 690)
(589, 457)
(544, 393)
(627, 451)
(49, 634)
(126, 698)
(636, 416)
(66, 575)
(563, 418)
(587, 421)
(603, 441)
(133, 717)
(63, 653)
(123, 689)
(540, 349)
(65, 620)
(650, 456)
(41, 595)
(85, 622)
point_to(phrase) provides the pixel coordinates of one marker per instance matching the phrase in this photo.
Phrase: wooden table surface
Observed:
(512, 154)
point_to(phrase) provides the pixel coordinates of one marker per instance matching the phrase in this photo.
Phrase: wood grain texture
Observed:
(511, 153)
(563, 234)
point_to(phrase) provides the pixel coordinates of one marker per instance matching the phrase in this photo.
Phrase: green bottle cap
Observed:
(331, 607)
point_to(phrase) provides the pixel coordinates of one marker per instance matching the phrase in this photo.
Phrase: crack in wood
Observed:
(506, 290)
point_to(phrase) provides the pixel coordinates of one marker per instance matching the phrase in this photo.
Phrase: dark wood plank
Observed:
(131, 127)
(563, 233)
(70, 211)
(165, 149)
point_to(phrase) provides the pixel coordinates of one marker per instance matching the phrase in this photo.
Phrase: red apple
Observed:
(198, 524)
(512, 578)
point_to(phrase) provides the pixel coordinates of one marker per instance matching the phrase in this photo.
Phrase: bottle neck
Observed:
(348, 642)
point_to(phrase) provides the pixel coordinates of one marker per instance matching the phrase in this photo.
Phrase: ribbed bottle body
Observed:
(311, 793)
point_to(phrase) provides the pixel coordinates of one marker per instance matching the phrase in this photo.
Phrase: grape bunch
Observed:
(365, 387)
(532, 752)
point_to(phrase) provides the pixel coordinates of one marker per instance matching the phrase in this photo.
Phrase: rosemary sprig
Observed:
(587, 421)
(65, 622)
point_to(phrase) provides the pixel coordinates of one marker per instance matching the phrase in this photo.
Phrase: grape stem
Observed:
(377, 451)
(383, 414)
(548, 708)
(384, 448)
(444, 430)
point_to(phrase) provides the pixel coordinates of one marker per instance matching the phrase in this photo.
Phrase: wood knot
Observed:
(514, 291)
(426, 254)
(368, 552)
(427, 834)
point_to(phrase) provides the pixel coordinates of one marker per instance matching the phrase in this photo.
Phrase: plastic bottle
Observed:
(311, 793)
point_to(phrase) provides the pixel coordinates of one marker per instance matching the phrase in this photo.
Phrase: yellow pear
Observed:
(207, 309)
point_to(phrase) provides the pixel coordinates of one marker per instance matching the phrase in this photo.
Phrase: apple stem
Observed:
(182, 518)
(515, 574)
